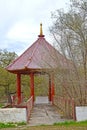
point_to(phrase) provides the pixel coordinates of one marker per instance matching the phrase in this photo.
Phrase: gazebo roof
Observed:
(40, 56)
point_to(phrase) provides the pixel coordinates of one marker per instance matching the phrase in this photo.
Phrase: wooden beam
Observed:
(49, 88)
(32, 85)
(18, 88)
(52, 87)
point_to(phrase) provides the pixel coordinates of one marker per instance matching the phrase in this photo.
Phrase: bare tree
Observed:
(70, 33)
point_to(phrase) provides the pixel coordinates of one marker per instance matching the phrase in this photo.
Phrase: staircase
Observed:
(44, 114)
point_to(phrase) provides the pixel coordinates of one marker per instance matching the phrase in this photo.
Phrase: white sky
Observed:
(20, 20)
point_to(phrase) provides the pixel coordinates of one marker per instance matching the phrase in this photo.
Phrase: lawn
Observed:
(56, 126)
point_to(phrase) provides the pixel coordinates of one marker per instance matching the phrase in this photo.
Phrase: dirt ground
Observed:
(48, 128)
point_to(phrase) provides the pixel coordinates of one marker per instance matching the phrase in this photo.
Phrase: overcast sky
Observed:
(20, 20)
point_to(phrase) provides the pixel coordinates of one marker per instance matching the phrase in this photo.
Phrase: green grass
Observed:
(68, 125)
(21, 123)
(7, 125)
(1, 105)
(11, 125)
(71, 123)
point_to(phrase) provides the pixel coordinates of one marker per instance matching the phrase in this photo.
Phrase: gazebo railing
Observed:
(29, 107)
(66, 106)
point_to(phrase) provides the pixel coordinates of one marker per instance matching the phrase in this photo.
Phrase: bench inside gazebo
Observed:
(39, 58)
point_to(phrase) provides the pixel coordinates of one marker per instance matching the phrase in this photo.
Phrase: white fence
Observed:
(13, 115)
(81, 113)
(19, 114)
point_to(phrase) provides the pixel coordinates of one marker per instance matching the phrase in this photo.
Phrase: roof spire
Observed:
(41, 31)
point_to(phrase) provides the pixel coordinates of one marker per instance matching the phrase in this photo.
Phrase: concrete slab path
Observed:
(44, 114)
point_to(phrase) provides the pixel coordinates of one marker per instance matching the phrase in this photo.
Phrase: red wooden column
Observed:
(52, 87)
(18, 88)
(32, 85)
(49, 88)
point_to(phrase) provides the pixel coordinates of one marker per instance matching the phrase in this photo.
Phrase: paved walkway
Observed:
(44, 114)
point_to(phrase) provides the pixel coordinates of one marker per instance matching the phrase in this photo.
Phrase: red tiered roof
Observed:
(40, 56)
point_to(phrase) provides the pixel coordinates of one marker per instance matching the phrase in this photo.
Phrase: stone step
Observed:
(44, 114)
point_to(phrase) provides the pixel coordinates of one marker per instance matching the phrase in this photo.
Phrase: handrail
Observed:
(29, 107)
(66, 105)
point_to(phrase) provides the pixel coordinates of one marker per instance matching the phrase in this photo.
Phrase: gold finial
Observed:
(41, 31)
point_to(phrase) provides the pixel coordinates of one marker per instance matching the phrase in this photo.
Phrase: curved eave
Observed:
(31, 70)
